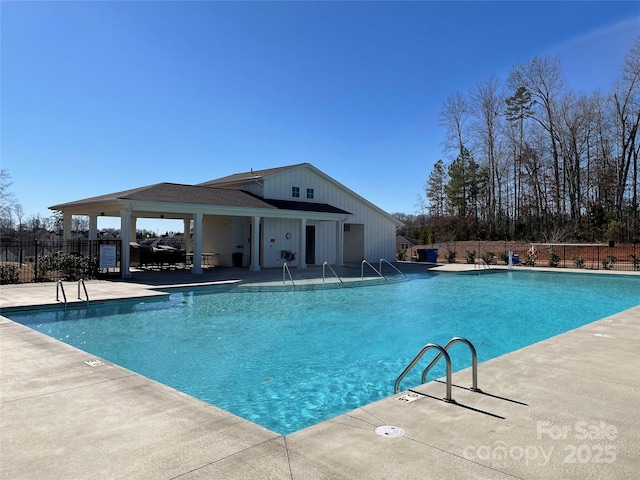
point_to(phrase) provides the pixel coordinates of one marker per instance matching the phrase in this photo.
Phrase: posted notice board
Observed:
(108, 256)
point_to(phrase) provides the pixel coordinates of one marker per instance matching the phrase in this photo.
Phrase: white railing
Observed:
(59, 287)
(332, 270)
(86, 295)
(392, 266)
(372, 268)
(285, 271)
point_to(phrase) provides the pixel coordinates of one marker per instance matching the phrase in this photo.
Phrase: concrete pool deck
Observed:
(566, 407)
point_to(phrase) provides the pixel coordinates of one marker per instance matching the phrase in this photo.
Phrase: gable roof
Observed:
(254, 175)
(176, 193)
(199, 195)
(250, 175)
(402, 239)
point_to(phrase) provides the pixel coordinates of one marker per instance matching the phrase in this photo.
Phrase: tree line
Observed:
(535, 160)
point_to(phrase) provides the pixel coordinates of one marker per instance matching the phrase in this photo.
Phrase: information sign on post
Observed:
(108, 256)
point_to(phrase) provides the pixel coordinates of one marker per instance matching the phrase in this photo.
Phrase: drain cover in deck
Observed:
(390, 431)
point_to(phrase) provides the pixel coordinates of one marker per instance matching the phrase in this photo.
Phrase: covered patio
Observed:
(220, 221)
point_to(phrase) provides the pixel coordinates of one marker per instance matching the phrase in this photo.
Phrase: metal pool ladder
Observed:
(285, 270)
(443, 352)
(86, 295)
(372, 268)
(326, 264)
(481, 264)
(392, 266)
(60, 286)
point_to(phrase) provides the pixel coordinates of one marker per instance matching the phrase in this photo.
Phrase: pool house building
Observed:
(258, 219)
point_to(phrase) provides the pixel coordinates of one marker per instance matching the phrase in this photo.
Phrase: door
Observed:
(310, 245)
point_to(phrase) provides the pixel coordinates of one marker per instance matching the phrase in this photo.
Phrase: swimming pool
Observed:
(287, 359)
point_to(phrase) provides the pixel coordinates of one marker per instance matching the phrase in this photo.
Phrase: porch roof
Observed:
(172, 195)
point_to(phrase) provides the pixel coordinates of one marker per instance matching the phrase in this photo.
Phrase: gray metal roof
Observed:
(200, 195)
(176, 193)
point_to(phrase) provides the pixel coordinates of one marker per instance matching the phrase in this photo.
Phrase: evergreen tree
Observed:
(458, 187)
(435, 189)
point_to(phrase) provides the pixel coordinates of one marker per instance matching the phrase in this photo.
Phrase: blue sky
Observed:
(99, 97)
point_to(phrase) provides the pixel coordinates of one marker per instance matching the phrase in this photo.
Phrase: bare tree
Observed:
(542, 76)
(486, 106)
(626, 98)
(7, 202)
(453, 116)
(19, 211)
(575, 114)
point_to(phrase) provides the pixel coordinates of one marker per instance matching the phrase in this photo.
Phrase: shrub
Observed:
(9, 273)
(402, 254)
(635, 261)
(471, 256)
(578, 261)
(504, 257)
(68, 267)
(488, 257)
(554, 259)
(608, 261)
(451, 256)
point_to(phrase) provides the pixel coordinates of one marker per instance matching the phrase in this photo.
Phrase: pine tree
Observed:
(435, 190)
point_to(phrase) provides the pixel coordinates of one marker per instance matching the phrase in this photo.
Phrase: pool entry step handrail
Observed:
(86, 295)
(443, 352)
(372, 268)
(481, 264)
(416, 359)
(392, 266)
(59, 287)
(332, 270)
(285, 271)
(474, 362)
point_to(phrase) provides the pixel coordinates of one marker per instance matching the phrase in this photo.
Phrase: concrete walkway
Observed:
(566, 408)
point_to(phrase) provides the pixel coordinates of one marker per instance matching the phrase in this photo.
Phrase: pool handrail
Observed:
(332, 270)
(60, 286)
(372, 268)
(482, 264)
(81, 282)
(285, 270)
(474, 362)
(416, 359)
(392, 266)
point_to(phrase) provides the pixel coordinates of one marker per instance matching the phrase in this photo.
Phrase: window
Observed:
(295, 192)
(309, 192)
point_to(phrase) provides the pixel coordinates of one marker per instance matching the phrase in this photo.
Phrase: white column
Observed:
(187, 234)
(196, 268)
(340, 243)
(255, 245)
(134, 227)
(125, 240)
(66, 226)
(302, 254)
(93, 226)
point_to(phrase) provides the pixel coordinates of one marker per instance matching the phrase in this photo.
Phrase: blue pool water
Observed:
(288, 359)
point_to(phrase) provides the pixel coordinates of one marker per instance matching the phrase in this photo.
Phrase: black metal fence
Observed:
(45, 261)
(611, 256)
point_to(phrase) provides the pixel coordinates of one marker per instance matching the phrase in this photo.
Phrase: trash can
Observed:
(422, 256)
(236, 259)
(432, 255)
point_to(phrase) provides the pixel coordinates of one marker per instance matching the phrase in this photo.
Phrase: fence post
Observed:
(35, 262)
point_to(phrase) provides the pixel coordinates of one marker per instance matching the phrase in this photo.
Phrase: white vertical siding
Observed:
(326, 247)
(379, 230)
(274, 234)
